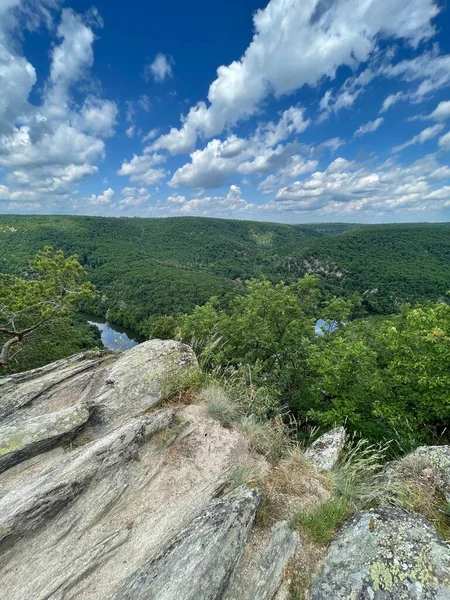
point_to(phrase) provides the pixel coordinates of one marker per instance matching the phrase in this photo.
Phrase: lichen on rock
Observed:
(385, 554)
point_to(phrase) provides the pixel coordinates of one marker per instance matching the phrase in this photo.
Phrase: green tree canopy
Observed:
(53, 288)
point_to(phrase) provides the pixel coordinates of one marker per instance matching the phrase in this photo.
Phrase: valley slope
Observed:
(146, 267)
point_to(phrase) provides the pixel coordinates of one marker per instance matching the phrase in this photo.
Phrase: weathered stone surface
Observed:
(78, 520)
(385, 554)
(38, 434)
(430, 461)
(26, 507)
(262, 574)
(118, 386)
(198, 563)
(324, 452)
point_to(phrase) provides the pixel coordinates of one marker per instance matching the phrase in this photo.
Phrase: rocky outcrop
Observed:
(27, 438)
(324, 452)
(427, 462)
(200, 561)
(105, 494)
(385, 554)
(262, 571)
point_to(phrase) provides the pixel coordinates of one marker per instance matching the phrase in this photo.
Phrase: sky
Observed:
(292, 111)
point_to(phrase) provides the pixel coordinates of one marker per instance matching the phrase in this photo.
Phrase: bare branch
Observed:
(6, 350)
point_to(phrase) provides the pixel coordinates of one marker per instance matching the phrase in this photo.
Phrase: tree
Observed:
(54, 288)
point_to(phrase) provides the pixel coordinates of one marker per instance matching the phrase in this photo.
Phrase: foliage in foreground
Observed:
(38, 306)
(384, 378)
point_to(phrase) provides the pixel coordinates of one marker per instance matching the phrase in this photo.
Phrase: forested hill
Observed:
(163, 266)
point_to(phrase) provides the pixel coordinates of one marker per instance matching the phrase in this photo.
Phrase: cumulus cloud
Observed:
(218, 161)
(133, 196)
(317, 37)
(369, 127)
(143, 169)
(425, 135)
(225, 205)
(444, 142)
(46, 149)
(104, 199)
(160, 69)
(350, 188)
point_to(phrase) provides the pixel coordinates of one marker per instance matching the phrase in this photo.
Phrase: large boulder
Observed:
(385, 554)
(324, 452)
(429, 462)
(199, 562)
(106, 494)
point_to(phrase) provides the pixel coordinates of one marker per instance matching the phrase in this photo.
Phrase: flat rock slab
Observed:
(199, 562)
(35, 435)
(385, 554)
(324, 452)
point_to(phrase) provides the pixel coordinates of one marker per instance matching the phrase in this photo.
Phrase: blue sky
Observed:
(291, 111)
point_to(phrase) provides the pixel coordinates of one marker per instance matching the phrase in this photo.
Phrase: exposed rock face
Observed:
(324, 452)
(102, 496)
(429, 461)
(199, 562)
(35, 435)
(385, 554)
(262, 574)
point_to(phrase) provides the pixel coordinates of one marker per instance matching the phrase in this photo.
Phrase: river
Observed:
(113, 336)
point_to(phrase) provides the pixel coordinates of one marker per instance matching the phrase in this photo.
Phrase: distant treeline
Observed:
(147, 267)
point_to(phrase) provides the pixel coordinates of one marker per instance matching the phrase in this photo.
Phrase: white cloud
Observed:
(99, 117)
(218, 161)
(441, 112)
(46, 149)
(369, 127)
(425, 135)
(349, 188)
(130, 131)
(444, 142)
(160, 69)
(317, 37)
(133, 196)
(151, 135)
(141, 169)
(391, 100)
(104, 199)
(226, 205)
(71, 58)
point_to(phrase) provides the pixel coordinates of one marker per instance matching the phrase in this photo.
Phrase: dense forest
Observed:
(146, 267)
(248, 296)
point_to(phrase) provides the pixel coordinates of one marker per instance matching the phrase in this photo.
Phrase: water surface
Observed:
(113, 336)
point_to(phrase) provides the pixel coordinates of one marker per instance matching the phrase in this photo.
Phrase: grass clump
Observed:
(355, 485)
(414, 487)
(322, 523)
(269, 439)
(244, 475)
(220, 406)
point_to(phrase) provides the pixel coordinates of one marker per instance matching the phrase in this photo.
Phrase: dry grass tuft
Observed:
(220, 405)
(269, 439)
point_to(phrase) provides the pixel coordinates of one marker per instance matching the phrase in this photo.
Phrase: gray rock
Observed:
(78, 520)
(324, 452)
(261, 576)
(198, 563)
(431, 461)
(27, 506)
(118, 386)
(33, 436)
(385, 554)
